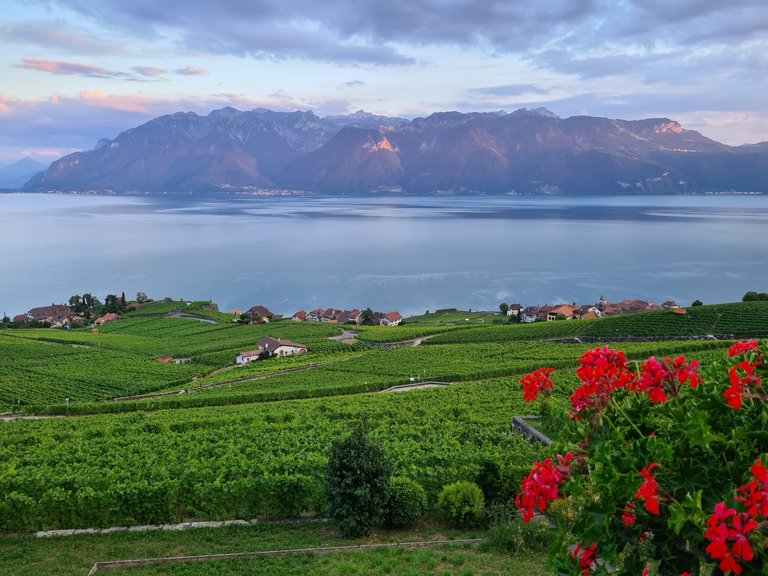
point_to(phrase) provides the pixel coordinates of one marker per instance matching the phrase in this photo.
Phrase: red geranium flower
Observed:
(602, 372)
(754, 495)
(728, 526)
(658, 379)
(586, 557)
(536, 382)
(743, 348)
(742, 377)
(649, 490)
(542, 485)
(629, 517)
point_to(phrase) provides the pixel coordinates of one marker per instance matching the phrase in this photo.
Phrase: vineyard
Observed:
(748, 319)
(252, 441)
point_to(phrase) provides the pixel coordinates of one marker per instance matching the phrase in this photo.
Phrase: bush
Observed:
(489, 480)
(357, 483)
(407, 502)
(509, 534)
(462, 503)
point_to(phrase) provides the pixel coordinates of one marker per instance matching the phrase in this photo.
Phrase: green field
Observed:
(252, 441)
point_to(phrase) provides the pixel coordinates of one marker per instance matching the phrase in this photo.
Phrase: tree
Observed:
(357, 483)
(754, 297)
(76, 303)
(111, 303)
(141, 297)
(123, 302)
(697, 303)
(367, 317)
(504, 308)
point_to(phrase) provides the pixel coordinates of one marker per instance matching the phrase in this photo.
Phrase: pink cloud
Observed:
(66, 68)
(190, 71)
(149, 71)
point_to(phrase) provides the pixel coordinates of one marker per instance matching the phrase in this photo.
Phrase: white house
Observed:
(278, 347)
(248, 356)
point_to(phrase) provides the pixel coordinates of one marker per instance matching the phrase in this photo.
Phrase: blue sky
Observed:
(74, 71)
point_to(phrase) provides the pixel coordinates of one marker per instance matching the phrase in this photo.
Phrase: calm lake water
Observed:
(408, 254)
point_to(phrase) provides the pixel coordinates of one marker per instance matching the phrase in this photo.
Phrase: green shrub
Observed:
(489, 480)
(357, 483)
(407, 502)
(509, 534)
(462, 503)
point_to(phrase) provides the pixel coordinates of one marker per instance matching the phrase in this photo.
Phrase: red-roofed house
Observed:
(563, 309)
(300, 316)
(248, 356)
(391, 319)
(109, 317)
(278, 347)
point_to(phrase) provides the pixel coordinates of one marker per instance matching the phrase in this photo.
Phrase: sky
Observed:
(75, 71)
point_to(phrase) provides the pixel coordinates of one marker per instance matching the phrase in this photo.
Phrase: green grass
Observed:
(442, 561)
(74, 556)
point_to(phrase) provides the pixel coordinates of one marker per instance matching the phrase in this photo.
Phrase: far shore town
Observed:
(86, 314)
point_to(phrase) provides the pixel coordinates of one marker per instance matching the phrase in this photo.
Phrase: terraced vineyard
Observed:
(253, 441)
(748, 319)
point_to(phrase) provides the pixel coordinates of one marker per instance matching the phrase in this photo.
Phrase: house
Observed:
(46, 313)
(350, 317)
(278, 347)
(514, 310)
(109, 317)
(260, 313)
(391, 319)
(330, 315)
(590, 315)
(669, 304)
(529, 315)
(248, 356)
(316, 315)
(543, 313)
(300, 316)
(680, 311)
(165, 359)
(563, 309)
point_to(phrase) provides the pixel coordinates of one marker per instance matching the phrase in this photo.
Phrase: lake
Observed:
(410, 254)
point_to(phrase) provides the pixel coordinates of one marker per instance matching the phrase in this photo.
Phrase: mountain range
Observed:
(15, 175)
(523, 152)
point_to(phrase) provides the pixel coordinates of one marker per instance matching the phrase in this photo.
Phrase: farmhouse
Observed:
(109, 317)
(278, 347)
(391, 319)
(300, 316)
(261, 314)
(248, 356)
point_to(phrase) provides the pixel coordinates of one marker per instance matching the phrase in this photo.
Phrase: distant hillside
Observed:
(524, 152)
(15, 175)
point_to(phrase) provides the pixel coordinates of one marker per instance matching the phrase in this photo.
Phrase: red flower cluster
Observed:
(542, 485)
(536, 382)
(629, 517)
(659, 379)
(649, 489)
(741, 348)
(586, 557)
(728, 526)
(754, 495)
(602, 372)
(742, 378)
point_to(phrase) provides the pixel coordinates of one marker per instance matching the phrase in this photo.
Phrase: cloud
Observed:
(67, 68)
(149, 71)
(56, 35)
(508, 90)
(190, 71)
(354, 83)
